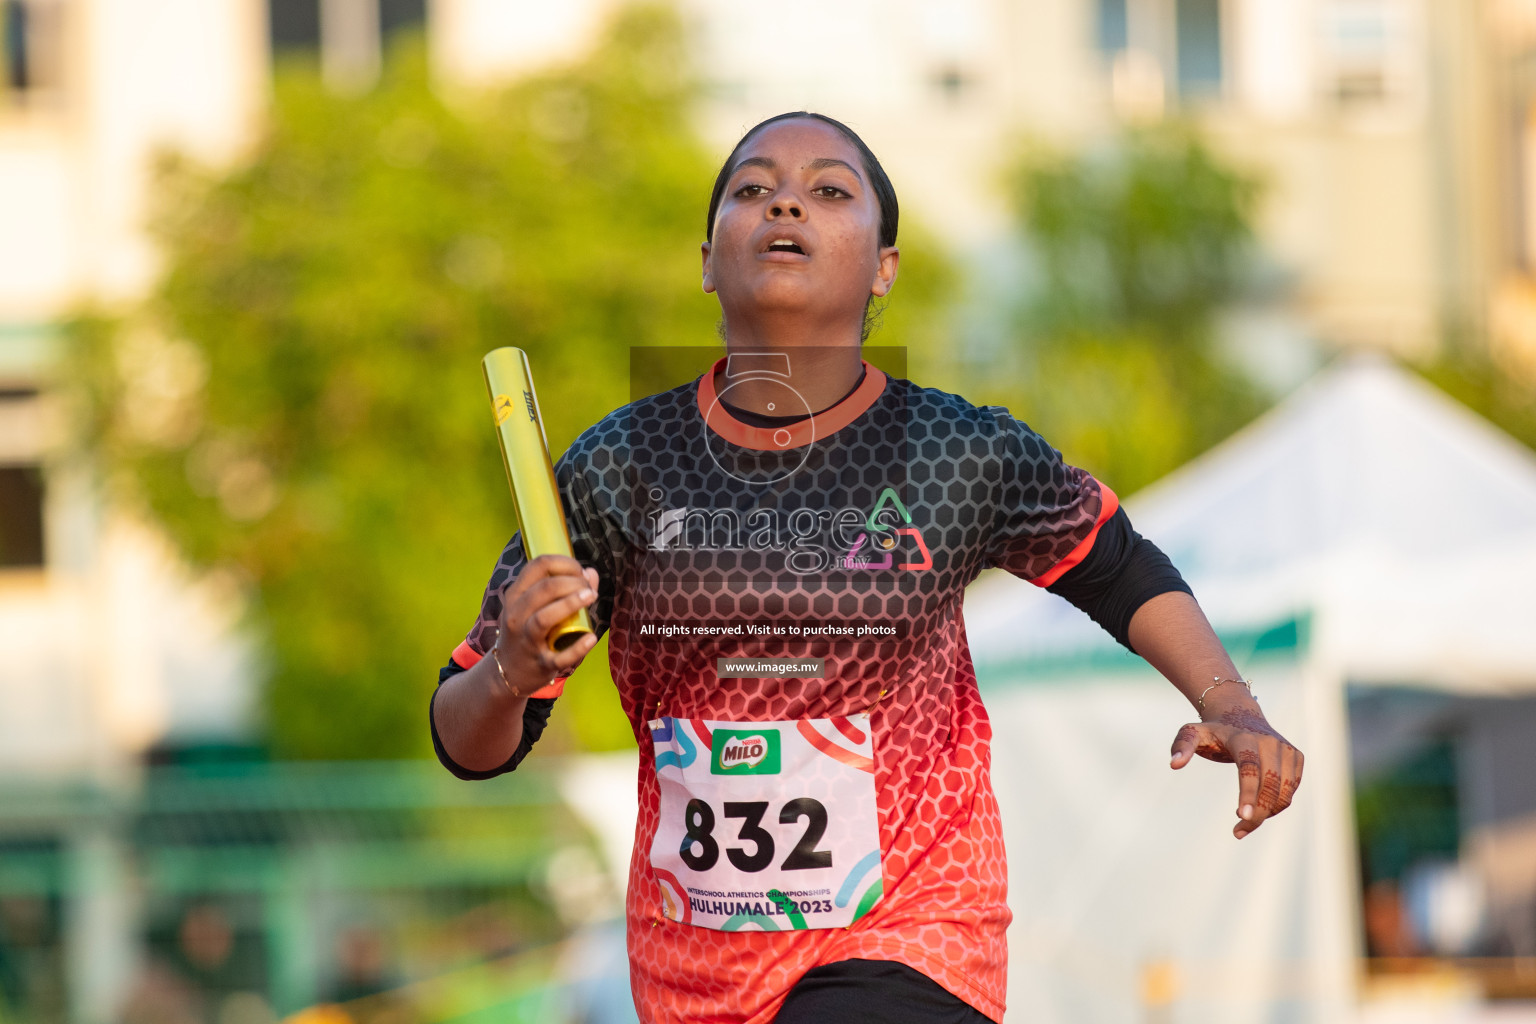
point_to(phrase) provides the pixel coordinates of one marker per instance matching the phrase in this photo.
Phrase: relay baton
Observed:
(525, 453)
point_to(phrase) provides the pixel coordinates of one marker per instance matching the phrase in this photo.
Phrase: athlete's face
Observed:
(798, 229)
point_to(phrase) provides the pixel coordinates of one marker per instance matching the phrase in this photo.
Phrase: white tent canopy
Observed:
(1367, 530)
(1368, 495)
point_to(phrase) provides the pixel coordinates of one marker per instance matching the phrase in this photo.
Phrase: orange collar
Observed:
(795, 435)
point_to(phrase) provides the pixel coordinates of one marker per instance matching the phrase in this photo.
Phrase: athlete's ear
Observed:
(885, 273)
(709, 280)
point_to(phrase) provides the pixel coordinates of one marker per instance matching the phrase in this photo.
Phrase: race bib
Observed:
(766, 826)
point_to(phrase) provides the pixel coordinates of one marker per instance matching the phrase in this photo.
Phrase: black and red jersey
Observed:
(848, 536)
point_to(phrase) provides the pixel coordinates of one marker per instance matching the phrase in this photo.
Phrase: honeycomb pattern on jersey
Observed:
(982, 489)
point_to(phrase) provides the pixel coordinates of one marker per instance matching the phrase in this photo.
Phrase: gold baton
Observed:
(525, 453)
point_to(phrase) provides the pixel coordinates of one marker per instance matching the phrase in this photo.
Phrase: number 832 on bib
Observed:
(766, 826)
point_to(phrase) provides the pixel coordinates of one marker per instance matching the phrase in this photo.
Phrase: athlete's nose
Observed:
(783, 206)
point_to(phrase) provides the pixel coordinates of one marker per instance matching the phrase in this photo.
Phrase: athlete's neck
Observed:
(822, 376)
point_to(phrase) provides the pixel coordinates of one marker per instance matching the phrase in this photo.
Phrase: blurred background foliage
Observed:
(300, 404)
(328, 433)
(1469, 373)
(1138, 245)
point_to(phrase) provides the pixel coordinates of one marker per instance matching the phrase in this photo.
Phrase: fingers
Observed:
(548, 591)
(540, 570)
(1184, 745)
(1277, 775)
(534, 654)
(1291, 761)
(1249, 765)
(564, 662)
(1268, 767)
(1286, 786)
(1201, 738)
(545, 579)
(556, 610)
(530, 600)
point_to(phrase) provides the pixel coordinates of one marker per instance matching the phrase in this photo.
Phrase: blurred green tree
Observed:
(1138, 247)
(301, 398)
(1467, 369)
(301, 401)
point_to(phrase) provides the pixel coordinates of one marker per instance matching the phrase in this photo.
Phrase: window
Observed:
(22, 428)
(294, 25)
(1198, 32)
(17, 74)
(1522, 165)
(400, 15)
(1366, 58)
(1161, 50)
(951, 82)
(313, 26)
(31, 43)
(1114, 26)
(21, 517)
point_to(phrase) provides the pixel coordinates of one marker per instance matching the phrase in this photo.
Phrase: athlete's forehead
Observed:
(798, 143)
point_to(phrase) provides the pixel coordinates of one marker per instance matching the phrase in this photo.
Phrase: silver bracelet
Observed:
(1215, 682)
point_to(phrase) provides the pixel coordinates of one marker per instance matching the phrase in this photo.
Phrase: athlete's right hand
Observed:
(549, 590)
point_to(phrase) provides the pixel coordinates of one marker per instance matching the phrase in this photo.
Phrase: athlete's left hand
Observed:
(1268, 766)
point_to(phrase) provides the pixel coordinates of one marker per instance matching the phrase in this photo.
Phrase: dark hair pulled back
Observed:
(885, 193)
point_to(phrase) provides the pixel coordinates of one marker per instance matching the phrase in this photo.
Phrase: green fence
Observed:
(238, 893)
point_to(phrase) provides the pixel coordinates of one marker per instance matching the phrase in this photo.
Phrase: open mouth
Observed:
(785, 245)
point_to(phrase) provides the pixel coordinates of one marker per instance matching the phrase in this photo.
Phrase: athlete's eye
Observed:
(750, 191)
(831, 192)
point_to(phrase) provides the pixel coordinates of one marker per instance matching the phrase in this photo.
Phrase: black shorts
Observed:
(873, 992)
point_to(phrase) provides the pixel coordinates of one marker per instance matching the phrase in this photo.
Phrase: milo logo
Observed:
(749, 750)
(744, 752)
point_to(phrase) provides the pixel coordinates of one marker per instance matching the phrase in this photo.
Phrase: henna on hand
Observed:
(1269, 790)
(1214, 752)
(1287, 790)
(1248, 720)
(1204, 744)
(1268, 777)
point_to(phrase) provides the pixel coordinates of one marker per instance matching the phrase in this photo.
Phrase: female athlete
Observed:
(779, 551)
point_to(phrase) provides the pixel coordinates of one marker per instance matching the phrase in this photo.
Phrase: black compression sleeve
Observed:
(1122, 571)
(535, 718)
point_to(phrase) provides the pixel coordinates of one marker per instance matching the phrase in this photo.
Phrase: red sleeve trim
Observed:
(467, 657)
(1077, 554)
